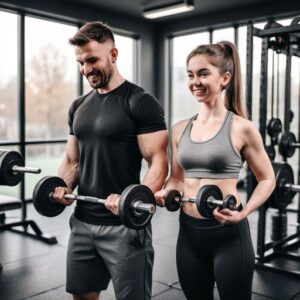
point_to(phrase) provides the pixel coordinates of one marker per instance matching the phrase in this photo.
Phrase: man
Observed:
(111, 129)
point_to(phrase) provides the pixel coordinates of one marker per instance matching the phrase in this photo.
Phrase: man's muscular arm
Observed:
(68, 171)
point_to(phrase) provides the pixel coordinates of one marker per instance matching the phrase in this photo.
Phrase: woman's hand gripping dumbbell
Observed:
(208, 198)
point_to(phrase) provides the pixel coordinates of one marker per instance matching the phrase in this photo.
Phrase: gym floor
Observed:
(35, 270)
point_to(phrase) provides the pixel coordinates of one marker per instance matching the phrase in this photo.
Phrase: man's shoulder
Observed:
(79, 100)
(138, 96)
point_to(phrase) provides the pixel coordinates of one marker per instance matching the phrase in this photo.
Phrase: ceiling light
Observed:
(167, 9)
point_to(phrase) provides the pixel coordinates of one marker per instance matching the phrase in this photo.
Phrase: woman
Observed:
(210, 148)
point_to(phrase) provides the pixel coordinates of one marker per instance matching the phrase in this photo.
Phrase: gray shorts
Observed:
(98, 253)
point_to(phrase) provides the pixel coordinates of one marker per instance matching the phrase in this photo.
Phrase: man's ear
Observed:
(114, 54)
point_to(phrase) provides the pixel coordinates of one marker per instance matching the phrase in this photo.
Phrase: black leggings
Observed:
(208, 252)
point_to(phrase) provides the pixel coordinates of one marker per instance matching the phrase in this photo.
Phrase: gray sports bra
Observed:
(214, 158)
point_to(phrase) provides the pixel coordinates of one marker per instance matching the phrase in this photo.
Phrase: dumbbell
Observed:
(12, 168)
(136, 205)
(207, 199)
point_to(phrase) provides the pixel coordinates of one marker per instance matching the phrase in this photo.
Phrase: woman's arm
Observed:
(258, 161)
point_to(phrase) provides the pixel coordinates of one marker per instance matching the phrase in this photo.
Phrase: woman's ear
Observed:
(226, 78)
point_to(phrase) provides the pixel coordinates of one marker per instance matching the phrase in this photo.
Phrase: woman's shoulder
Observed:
(246, 129)
(179, 127)
(243, 124)
(180, 124)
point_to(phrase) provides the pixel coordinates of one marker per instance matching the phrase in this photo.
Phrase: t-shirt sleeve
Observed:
(71, 117)
(72, 111)
(148, 113)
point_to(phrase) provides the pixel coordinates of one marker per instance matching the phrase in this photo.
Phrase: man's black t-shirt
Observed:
(106, 128)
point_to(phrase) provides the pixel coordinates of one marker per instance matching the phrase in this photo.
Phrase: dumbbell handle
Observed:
(215, 201)
(192, 200)
(292, 187)
(19, 169)
(137, 205)
(183, 199)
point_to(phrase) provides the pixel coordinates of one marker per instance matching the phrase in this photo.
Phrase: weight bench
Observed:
(12, 203)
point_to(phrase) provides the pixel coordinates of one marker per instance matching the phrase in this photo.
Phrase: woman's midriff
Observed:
(192, 186)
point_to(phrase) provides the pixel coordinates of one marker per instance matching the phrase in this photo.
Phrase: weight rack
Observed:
(285, 248)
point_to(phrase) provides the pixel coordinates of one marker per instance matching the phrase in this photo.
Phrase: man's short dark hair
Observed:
(97, 31)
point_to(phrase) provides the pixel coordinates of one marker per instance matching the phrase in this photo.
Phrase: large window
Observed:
(50, 78)
(256, 80)
(9, 122)
(223, 34)
(45, 156)
(183, 105)
(125, 62)
(242, 48)
(295, 108)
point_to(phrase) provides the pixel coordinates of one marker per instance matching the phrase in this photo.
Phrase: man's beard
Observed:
(104, 78)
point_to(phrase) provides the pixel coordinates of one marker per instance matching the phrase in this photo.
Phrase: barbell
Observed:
(136, 203)
(12, 168)
(207, 199)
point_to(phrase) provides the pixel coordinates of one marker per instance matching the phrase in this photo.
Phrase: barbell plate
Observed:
(8, 159)
(131, 194)
(205, 209)
(286, 148)
(281, 196)
(170, 203)
(41, 200)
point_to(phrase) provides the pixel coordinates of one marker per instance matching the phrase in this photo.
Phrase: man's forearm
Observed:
(69, 173)
(156, 176)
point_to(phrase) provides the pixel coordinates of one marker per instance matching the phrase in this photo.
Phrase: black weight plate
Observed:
(170, 203)
(206, 209)
(286, 148)
(8, 159)
(274, 128)
(41, 196)
(131, 194)
(281, 196)
(229, 202)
